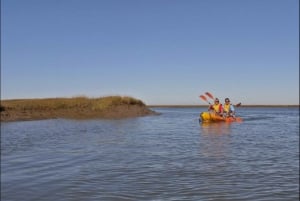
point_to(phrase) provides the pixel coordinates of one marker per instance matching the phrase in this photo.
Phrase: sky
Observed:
(163, 52)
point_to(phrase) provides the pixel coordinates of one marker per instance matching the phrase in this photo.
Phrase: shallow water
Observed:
(165, 157)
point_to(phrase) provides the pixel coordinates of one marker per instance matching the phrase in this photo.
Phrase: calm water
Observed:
(166, 157)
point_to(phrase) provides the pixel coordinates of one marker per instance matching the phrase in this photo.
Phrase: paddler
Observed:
(229, 109)
(217, 107)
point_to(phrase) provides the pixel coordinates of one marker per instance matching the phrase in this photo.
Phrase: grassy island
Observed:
(110, 107)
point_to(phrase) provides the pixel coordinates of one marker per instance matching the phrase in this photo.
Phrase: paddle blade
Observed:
(209, 95)
(238, 105)
(203, 98)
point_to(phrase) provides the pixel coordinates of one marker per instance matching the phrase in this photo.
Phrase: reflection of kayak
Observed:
(212, 117)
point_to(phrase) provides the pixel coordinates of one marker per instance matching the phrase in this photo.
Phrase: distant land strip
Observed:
(190, 106)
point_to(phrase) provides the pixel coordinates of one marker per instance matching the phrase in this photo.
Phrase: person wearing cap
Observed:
(216, 107)
(228, 108)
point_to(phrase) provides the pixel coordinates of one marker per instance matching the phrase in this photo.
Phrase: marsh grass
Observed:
(80, 102)
(81, 107)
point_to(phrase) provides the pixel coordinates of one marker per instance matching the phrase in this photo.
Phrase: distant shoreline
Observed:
(177, 106)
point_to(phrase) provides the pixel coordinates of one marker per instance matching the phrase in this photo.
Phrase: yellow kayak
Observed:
(212, 117)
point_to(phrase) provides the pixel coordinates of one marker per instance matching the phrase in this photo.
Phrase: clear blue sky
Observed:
(159, 51)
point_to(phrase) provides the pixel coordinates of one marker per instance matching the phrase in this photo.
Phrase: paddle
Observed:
(204, 98)
(210, 95)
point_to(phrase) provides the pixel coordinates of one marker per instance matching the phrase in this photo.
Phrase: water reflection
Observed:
(215, 140)
(219, 128)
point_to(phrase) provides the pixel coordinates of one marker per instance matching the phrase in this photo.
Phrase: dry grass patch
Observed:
(76, 107)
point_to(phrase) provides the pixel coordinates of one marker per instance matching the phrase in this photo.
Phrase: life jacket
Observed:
(226, 108)
(217, 108)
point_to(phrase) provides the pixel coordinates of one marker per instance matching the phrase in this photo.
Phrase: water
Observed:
(166, 157)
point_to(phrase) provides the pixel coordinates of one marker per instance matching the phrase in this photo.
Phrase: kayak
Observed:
(212, 117)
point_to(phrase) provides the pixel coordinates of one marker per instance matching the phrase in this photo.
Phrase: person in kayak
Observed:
(228, 109)
(217, 107)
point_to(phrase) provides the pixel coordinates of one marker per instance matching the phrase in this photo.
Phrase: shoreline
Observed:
(119, 112)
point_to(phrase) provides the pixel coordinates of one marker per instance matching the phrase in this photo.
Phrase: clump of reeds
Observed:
(80, 102)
